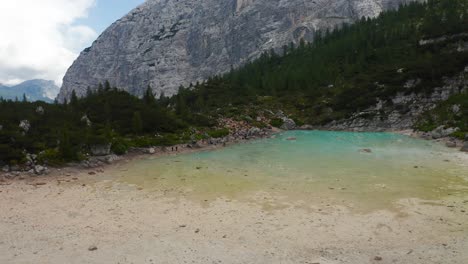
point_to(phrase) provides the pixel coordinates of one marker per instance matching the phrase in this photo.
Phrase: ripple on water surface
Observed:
(365, 170)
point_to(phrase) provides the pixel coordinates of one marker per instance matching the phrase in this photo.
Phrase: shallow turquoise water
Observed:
(318, 166)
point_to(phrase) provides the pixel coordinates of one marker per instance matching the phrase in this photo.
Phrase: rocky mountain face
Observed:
(35, 90)
(168, 43)
(404, 109)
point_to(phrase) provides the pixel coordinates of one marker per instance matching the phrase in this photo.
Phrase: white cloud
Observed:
(39, 38)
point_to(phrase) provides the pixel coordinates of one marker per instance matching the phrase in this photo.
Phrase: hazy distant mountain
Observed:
(35, 90)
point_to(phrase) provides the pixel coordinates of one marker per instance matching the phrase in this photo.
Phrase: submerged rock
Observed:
(366, 150)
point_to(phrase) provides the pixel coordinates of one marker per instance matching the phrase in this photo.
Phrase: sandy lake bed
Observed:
(74, 217)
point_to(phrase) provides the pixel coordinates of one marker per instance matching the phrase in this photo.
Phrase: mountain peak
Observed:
(165, 44)
(35, 90)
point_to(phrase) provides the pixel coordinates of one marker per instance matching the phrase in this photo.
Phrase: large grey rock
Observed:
(441, 132)
(84, 119)
(306, 127)
(25, 125)
(167, 43)
(40, 110)
(101, 150)
(288, 124)
(40, 170)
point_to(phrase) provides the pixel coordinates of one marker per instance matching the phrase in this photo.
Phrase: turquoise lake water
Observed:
(310, 167)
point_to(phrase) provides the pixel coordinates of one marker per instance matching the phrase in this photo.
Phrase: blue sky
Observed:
(105, 12)
(42, 38)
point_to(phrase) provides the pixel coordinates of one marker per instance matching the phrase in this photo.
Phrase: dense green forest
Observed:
(347, 69)
(342, 71)
(64, 132)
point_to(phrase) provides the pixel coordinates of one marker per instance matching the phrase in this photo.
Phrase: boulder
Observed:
(280, 114)
(31, 159)
(151, 151)
(306, 127)
(441, 132)
(254, 131)
(6, 168)
(40, 110)
(288, 124)
(25, 125)
(86, 120)
(91, 163)
(40, 170)
(109, 159)
(195, 145)
(101, 150)
(456, 109)
(412, 83)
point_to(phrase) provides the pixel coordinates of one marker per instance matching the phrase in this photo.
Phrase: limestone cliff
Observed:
(168, 43)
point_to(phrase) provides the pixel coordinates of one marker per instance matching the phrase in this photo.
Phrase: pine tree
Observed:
(137, 123)
(100, 88)
(66, 150)
(181, 107)
(148, 97)
(107, 86)
(73, 99)
(89, 92)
